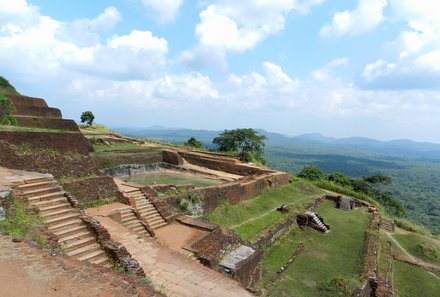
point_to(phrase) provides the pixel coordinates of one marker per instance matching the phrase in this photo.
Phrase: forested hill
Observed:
(414, 167)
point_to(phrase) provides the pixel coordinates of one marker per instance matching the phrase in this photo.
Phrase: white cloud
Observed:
(60, 49)
(167, 10)
(413, 57)
(238, 26)
(366, 16)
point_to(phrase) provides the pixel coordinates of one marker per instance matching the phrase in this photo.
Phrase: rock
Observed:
(2, 214)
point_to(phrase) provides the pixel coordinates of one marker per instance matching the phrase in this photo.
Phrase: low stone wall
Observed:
(116, 250)
(47, 123)
(92, 189)
(45, 161)
(172, 157)
(228, 165)
(60, 142)
(114, 160)
(237, 191)
(248, 272)
(276, 232)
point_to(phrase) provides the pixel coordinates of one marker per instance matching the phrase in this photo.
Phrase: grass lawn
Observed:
(410, 281)
(116, 147)
(250, 218)
(338, 254)
(423, 247)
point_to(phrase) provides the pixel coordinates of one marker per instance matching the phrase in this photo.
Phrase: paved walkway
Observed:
(172, 273)
(27, 271)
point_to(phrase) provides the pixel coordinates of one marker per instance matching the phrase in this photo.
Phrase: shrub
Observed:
(6, 109)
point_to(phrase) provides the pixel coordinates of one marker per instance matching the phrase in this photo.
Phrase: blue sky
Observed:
(342, 68)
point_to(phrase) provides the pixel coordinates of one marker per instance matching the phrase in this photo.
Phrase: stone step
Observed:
(61, 219)
(153, 217)
(131, 191)
(48, 215)
(38, 179)
(85, 250)
(92, 256)
(147, 212)
(66, 231)
(40, 184)
(67, 238)
(139, 228)
(46, 197)
(41, 191)
(132, 224)
(102, 261)
(158, 225)
(129, 219)
(65, 225)
(50, 207)
(79, 243)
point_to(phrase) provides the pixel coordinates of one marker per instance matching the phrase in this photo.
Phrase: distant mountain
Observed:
(313, 143)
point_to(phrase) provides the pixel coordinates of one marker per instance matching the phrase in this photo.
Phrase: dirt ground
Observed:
(176, 236)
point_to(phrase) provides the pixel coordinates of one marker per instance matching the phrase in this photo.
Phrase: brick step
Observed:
(41, 191)
(40, 184)
(74, 228)
(147, 209)
(132, 191)
(102, 261)
(44, 203)
(144, 204)
(79, 243)
(153, 217)
(154, 220)
(48, 215)
(132, 224)
(92, 256)
(65, 225)
(38, 179)
(68, 238)
(50, 207)
(46, 197)
(85, 250)
(158, 225)
(148, 212)
(61, 219)
(130, 220)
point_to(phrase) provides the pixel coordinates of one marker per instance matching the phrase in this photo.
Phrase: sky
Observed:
(342, 68)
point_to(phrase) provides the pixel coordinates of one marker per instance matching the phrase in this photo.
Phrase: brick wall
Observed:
(47, 123)
(92, 189)
(18, 100)
(61, 142)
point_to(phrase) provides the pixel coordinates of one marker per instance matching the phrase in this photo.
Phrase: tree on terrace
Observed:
(193, 142)
(87, 117)
(247, 142)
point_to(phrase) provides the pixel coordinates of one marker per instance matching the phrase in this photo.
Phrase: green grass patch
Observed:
(22, 224)
(410, 281)
(330, 265)
(296, 195)
(420, 246)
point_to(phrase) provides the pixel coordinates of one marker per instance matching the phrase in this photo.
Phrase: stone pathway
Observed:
(27, 271)
(171, 272)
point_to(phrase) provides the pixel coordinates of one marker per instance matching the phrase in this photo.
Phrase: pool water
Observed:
(173, 178)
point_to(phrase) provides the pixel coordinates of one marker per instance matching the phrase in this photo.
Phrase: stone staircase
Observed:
(47, 195)
(318, 221)
(146, 209)
(129, 220)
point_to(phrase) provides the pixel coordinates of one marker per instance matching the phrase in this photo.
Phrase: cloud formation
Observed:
(366, 16)
(166, 10)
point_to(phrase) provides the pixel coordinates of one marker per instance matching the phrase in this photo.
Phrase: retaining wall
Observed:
(47, 123)
(92, 189)
(61, 142)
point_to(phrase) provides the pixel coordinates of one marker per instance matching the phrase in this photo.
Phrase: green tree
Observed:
(338, 178)
(311, 173)
(247, 142)
(193, 142)
(87, 117)
(6, 109)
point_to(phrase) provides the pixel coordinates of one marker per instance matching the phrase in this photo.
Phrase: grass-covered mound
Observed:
(410, 281)
(330, 265)
(420, 246)
(250, 218)
(6, 88)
